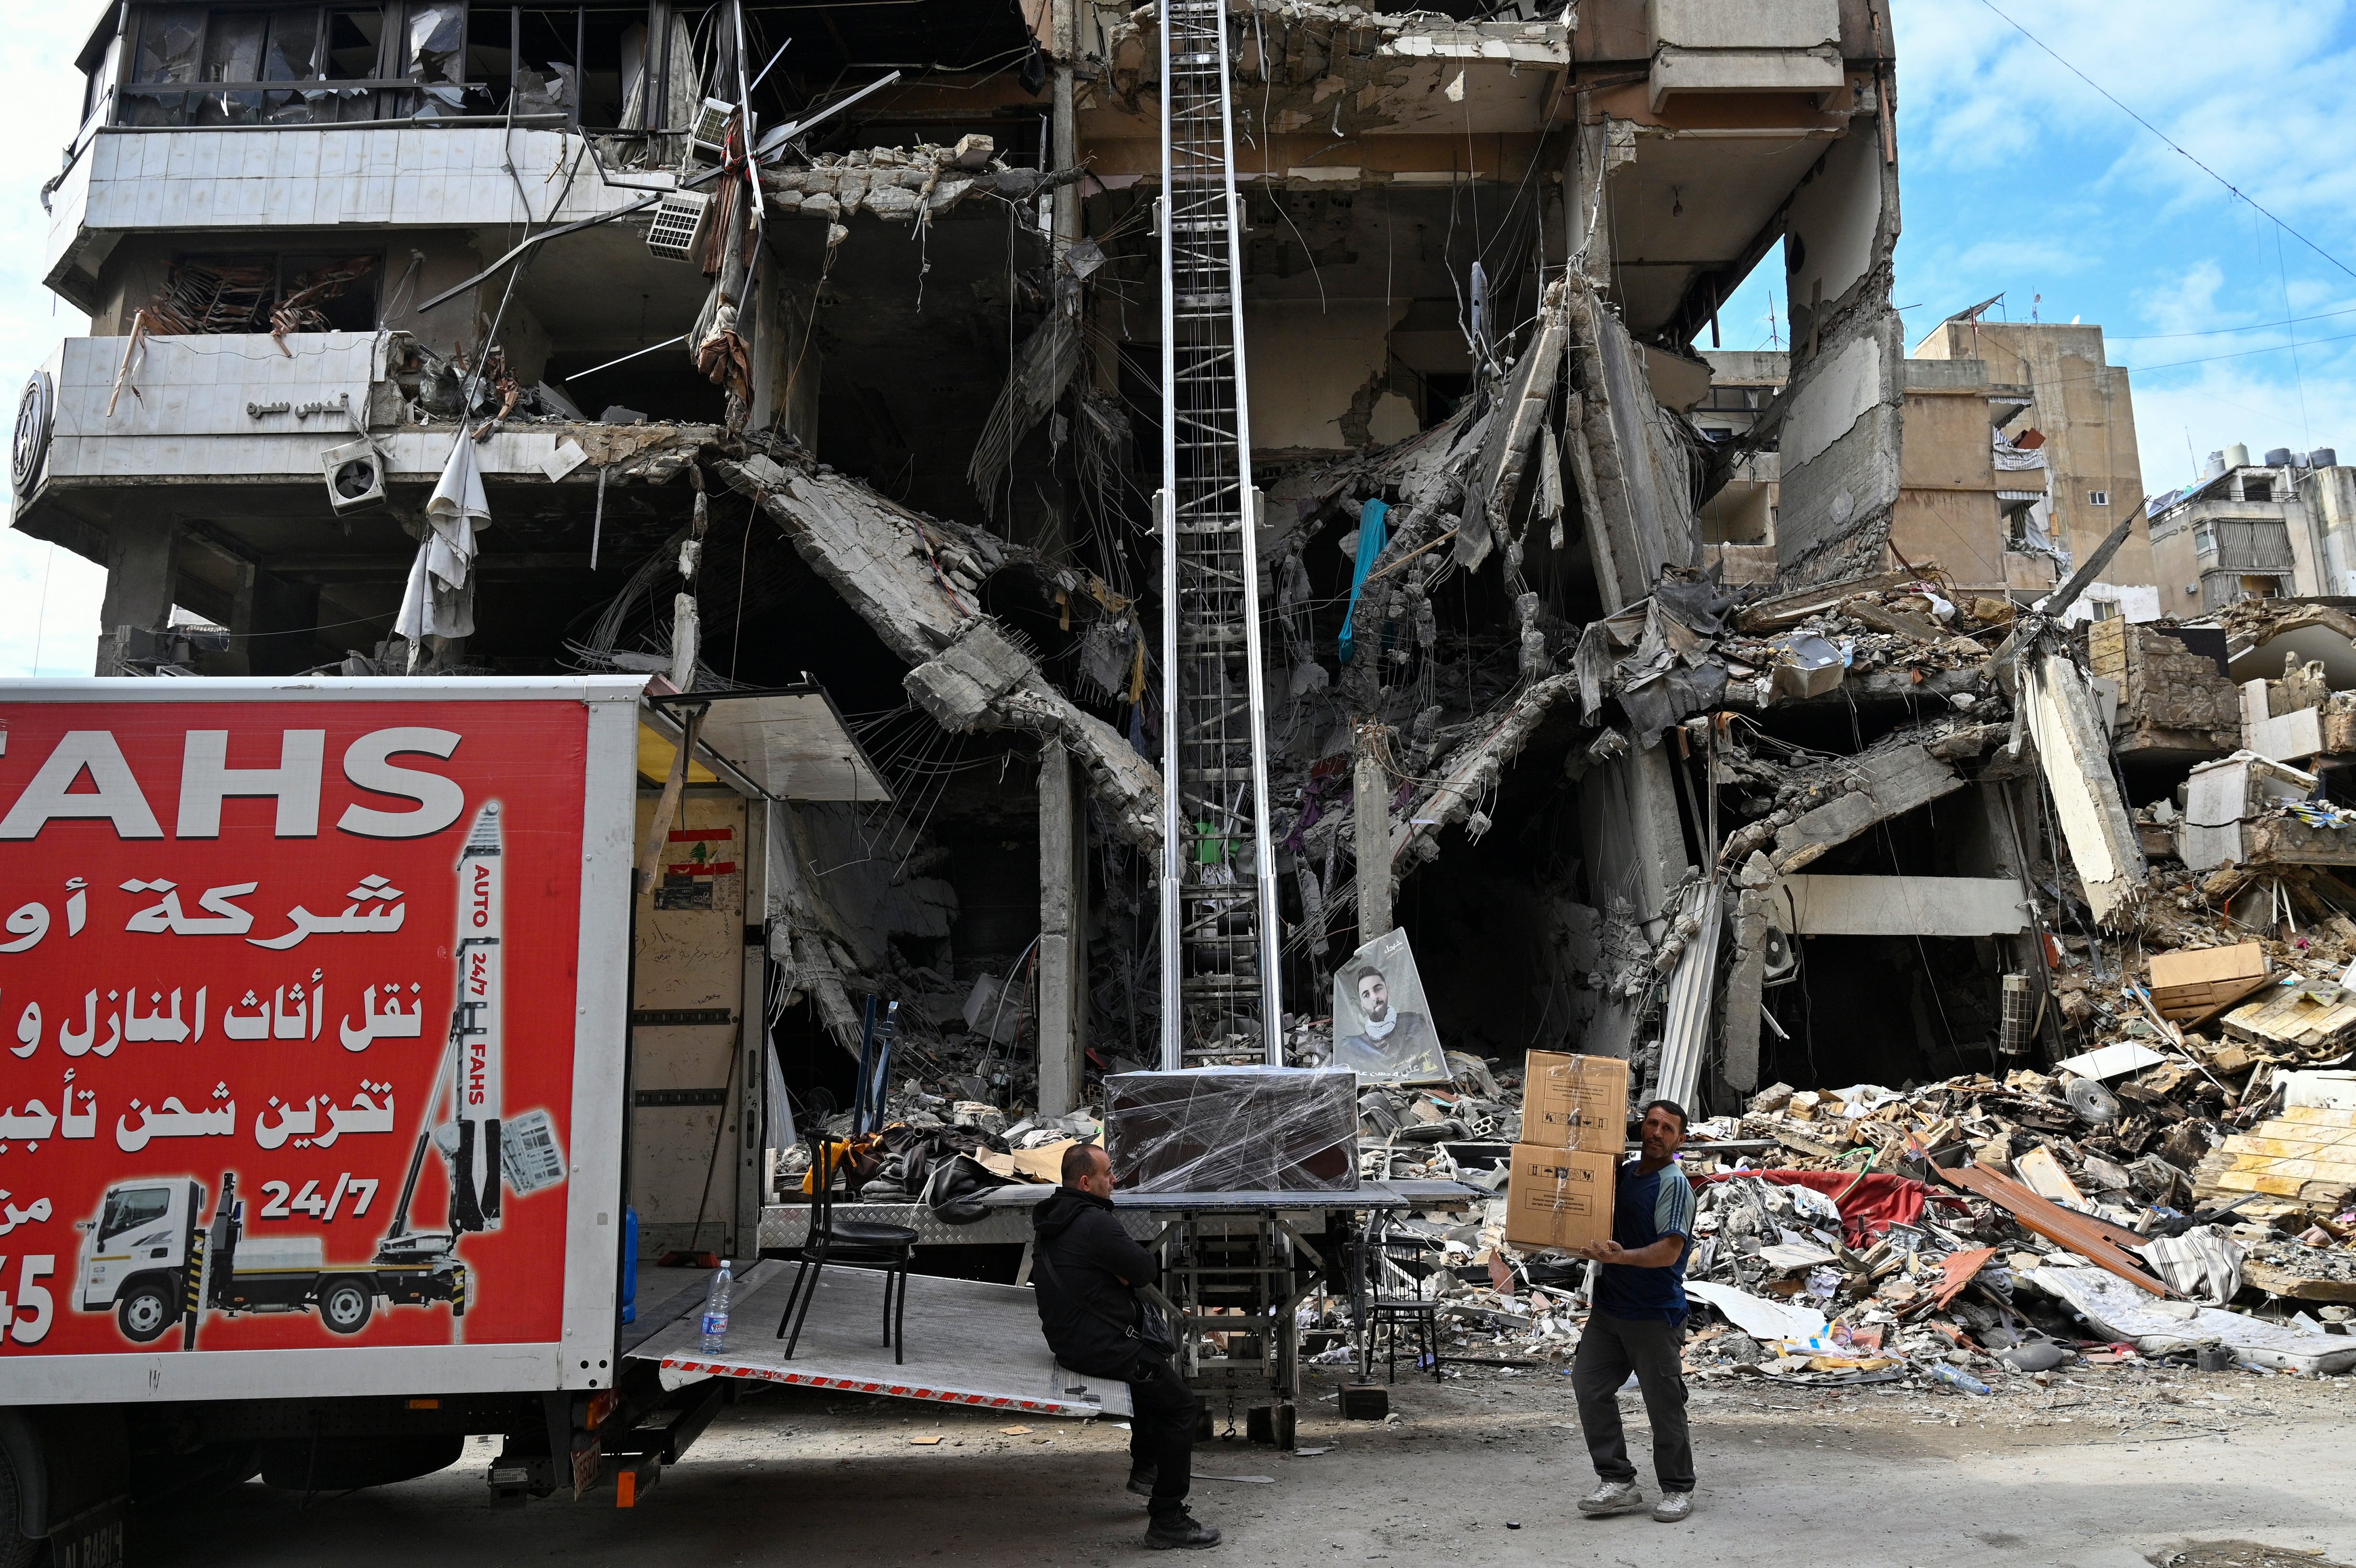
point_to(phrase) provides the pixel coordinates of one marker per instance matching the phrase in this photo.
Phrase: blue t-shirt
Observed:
(1649, 1205)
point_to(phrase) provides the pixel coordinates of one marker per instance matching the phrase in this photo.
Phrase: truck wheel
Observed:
(16, 1550)
(345, 1306)
(145, 1310)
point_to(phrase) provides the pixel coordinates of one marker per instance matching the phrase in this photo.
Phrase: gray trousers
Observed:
(1611, 1349)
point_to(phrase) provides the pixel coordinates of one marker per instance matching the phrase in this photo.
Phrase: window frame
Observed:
(182, 97)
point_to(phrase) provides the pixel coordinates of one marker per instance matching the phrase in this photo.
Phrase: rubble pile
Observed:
(1838, 1256)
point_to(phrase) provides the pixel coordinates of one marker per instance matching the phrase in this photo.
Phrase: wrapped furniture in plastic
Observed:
(1234, 1130)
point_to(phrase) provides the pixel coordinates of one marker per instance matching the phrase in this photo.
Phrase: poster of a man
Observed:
(1382, 1031)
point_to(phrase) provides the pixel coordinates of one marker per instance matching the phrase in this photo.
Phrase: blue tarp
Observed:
(1373, 534)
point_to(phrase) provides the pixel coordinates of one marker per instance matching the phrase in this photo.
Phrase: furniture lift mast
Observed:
(1220, 999)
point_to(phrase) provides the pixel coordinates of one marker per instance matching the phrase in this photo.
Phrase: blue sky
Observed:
(2017, 178)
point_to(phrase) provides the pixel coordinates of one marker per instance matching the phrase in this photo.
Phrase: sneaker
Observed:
(1674, 1508)
(1142, 1482)
(1180, 1530)
(1610, 1498)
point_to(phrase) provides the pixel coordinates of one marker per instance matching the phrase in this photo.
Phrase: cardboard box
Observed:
(1559, 1198)
(2189, 985)
(1575, 1101)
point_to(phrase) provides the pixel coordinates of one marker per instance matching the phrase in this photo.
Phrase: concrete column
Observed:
(143, 573)
(1370, 800)
(1063, 932)
(1064, 129)
(1628, 818)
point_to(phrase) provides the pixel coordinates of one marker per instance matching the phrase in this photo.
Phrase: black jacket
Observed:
(1080, 1258)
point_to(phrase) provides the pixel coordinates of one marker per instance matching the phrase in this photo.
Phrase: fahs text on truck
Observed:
(313, 1025)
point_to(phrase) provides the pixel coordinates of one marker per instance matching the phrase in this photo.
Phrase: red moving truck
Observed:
(314, 1014)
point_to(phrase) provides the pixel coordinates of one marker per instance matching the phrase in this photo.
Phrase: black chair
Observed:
(1390, 1315)
(854, 1242)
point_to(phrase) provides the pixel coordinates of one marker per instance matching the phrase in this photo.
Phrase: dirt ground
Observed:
(2120, 1467)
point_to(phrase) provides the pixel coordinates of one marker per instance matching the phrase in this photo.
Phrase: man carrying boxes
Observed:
(1636, 1322)
(1569, 1191)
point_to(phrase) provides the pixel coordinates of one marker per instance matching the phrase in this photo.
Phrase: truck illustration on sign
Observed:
(151, 1258)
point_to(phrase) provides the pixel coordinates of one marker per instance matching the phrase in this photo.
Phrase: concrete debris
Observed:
(900, 184)
(1341, 66)
(916, 580)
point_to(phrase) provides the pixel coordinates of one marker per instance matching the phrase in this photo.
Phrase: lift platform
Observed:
(967, 1343)
(1234, 1265)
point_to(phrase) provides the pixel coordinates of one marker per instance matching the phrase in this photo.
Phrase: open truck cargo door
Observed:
(702, 1118)
(785, 742)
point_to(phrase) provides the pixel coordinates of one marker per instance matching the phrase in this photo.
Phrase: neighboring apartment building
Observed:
(2015, 462)
(2282, 528)
(1972, 481)
(1739, 522)
(2083, 410)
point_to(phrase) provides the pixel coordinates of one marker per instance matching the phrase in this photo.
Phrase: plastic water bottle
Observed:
(715, 1308)
(1962, 1382)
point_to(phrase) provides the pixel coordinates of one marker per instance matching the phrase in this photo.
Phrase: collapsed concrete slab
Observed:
(2074, 754)
(983, 681)
(916, 580)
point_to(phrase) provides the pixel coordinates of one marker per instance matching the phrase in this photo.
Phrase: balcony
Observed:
(224, 181)
(235, 426)
(1744, 46)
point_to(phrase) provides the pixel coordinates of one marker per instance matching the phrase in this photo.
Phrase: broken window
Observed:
(2257, 487)
(587, 63)
(168, 41)
(245, 51)
(263, 292)
(353, 39)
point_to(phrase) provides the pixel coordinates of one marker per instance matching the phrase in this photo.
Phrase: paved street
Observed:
(2098, 1471)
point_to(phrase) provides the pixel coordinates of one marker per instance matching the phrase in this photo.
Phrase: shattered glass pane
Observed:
(293, 35)
(233, 46)
(233, 42)
(437, 33)
(351, 44)
(167, 44)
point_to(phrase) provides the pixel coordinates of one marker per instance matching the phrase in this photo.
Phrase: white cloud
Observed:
(2186, 304)
(2256, 93)
(49, 597)
(2184, 415)
(2021, 178)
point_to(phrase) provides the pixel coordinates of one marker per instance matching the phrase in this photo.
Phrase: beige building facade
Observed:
(2084, 410)
(1967, 490)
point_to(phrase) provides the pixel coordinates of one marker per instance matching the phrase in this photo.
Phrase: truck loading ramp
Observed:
(967, 1343)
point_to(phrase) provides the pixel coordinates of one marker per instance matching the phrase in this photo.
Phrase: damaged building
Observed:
(822, 350)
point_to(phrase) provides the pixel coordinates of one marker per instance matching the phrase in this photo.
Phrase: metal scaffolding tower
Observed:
(1219, 996)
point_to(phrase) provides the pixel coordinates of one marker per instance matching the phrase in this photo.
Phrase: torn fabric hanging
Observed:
(720, 351)
(440, 599)
(1372, 534)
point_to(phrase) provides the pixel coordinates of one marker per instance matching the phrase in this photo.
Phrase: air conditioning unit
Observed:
(678, 228)
(1778, 960)
(355, 475)
(709, 132)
